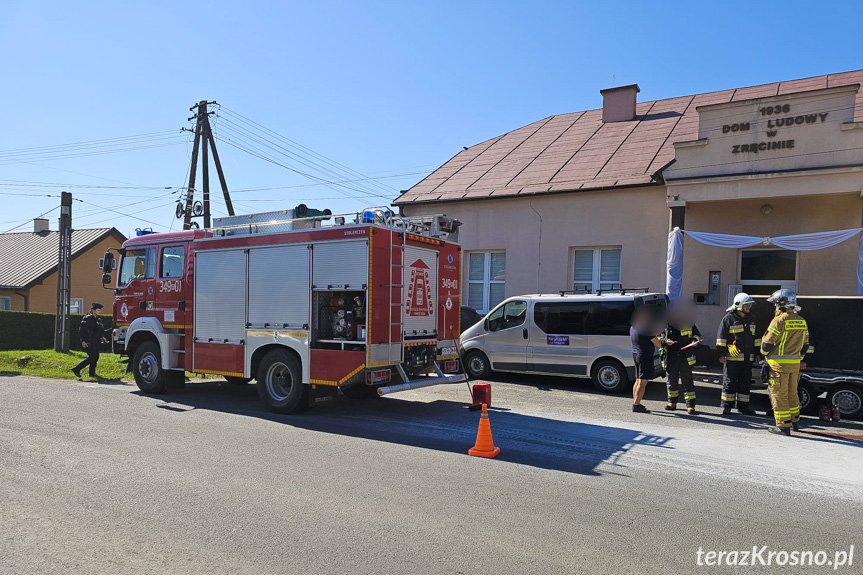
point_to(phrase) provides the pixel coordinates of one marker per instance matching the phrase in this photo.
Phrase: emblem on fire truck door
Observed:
(419, 302)
(124, 310)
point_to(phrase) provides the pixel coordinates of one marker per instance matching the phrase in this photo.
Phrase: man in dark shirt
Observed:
(91, 336)
(644, 342)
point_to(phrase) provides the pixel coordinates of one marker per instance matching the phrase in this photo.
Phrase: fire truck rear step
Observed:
(420, 383)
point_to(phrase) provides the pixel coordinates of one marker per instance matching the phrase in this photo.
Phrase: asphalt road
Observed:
(98, 479)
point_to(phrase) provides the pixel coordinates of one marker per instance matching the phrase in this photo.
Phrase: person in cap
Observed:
(737, 347)
(91, 333)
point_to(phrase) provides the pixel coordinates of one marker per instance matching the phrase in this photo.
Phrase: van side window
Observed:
(611, 317)
(509, 315)
(172, 262)
(563, 318)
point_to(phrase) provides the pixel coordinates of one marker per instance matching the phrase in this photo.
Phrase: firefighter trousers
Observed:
(736, 383)
(783, 395)
(679, 370)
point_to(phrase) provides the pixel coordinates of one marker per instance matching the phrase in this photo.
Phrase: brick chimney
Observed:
(40, 225)
(618, 104)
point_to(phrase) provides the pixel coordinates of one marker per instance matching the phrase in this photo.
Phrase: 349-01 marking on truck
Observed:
(170, 286)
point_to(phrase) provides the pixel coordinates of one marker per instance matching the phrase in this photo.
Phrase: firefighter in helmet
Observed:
(679, 341)
(737, 347)
(784, 346)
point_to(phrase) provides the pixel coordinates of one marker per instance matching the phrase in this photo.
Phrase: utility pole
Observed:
(64, 275)
(204, 142)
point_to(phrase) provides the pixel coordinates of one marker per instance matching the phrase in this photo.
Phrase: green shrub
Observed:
(31, 330)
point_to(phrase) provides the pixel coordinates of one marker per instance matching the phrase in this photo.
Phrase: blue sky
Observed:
(383, 88)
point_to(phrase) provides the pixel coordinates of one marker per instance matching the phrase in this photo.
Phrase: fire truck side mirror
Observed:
(108, 263)
(106, 279)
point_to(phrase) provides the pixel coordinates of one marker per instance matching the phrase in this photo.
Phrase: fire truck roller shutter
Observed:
(279, 286)
(220, 296)
(339, 264)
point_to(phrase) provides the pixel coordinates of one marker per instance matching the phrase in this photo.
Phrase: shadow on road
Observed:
(708, 406)
(439, 425)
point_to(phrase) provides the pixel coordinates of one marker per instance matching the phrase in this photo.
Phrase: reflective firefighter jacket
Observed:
(786, 342)
(735, 339)
(682, 336)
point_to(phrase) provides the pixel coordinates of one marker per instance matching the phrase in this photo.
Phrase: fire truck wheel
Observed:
(280, 382)
(146, 367)
(237, 380)
(476, 364)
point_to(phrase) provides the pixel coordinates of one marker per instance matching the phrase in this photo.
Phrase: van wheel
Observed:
(147, 368)
(609, 376)
(848, 398)
(808, 398)
(476, 364)
(280, 384)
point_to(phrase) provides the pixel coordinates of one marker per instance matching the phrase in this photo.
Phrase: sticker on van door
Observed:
(557, 339)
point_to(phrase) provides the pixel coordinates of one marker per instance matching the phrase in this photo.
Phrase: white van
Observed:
(578, 335)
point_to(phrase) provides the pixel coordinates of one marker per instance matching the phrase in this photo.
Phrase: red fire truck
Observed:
(307, 309)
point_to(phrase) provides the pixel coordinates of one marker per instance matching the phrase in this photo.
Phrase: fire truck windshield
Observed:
(137, 264)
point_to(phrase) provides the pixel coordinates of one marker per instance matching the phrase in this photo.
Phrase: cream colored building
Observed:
(587, 200)
(28, 268)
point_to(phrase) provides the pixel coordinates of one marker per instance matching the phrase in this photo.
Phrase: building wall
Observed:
(538, 233)
(831, 271)
(86, 283)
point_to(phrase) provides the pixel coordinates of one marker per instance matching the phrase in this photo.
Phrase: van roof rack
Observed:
(579, 291)
(623, 290)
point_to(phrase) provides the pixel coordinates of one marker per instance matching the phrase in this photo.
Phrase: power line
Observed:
(244, 135)
(294, 143)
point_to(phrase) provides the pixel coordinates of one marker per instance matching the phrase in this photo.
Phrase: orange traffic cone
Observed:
(484, 446)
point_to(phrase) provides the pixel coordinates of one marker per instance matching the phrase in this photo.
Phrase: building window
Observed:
(486, 279)
(596, 269)
(172, 262)
(5, 303)
(76, 305)
(764, 271)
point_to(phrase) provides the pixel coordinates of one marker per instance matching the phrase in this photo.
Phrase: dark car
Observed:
(469, 317)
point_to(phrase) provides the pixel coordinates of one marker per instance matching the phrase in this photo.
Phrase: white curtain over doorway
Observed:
(798, 242)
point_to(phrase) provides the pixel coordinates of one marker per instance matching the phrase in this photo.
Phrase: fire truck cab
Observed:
(307, 309)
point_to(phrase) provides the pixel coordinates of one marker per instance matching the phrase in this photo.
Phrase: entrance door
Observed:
(762, 272)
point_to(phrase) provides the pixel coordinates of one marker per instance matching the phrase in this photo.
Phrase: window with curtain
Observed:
(486, 279)
(596, 269)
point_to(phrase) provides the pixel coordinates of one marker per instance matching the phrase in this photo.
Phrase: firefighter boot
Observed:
(786, 431)
(671, 406)
(795, 426)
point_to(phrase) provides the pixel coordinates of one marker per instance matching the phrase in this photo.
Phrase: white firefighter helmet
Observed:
(784, 298)
(740, 300)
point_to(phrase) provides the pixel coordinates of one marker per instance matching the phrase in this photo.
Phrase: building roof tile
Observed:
(577, 151)
(27, 257)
